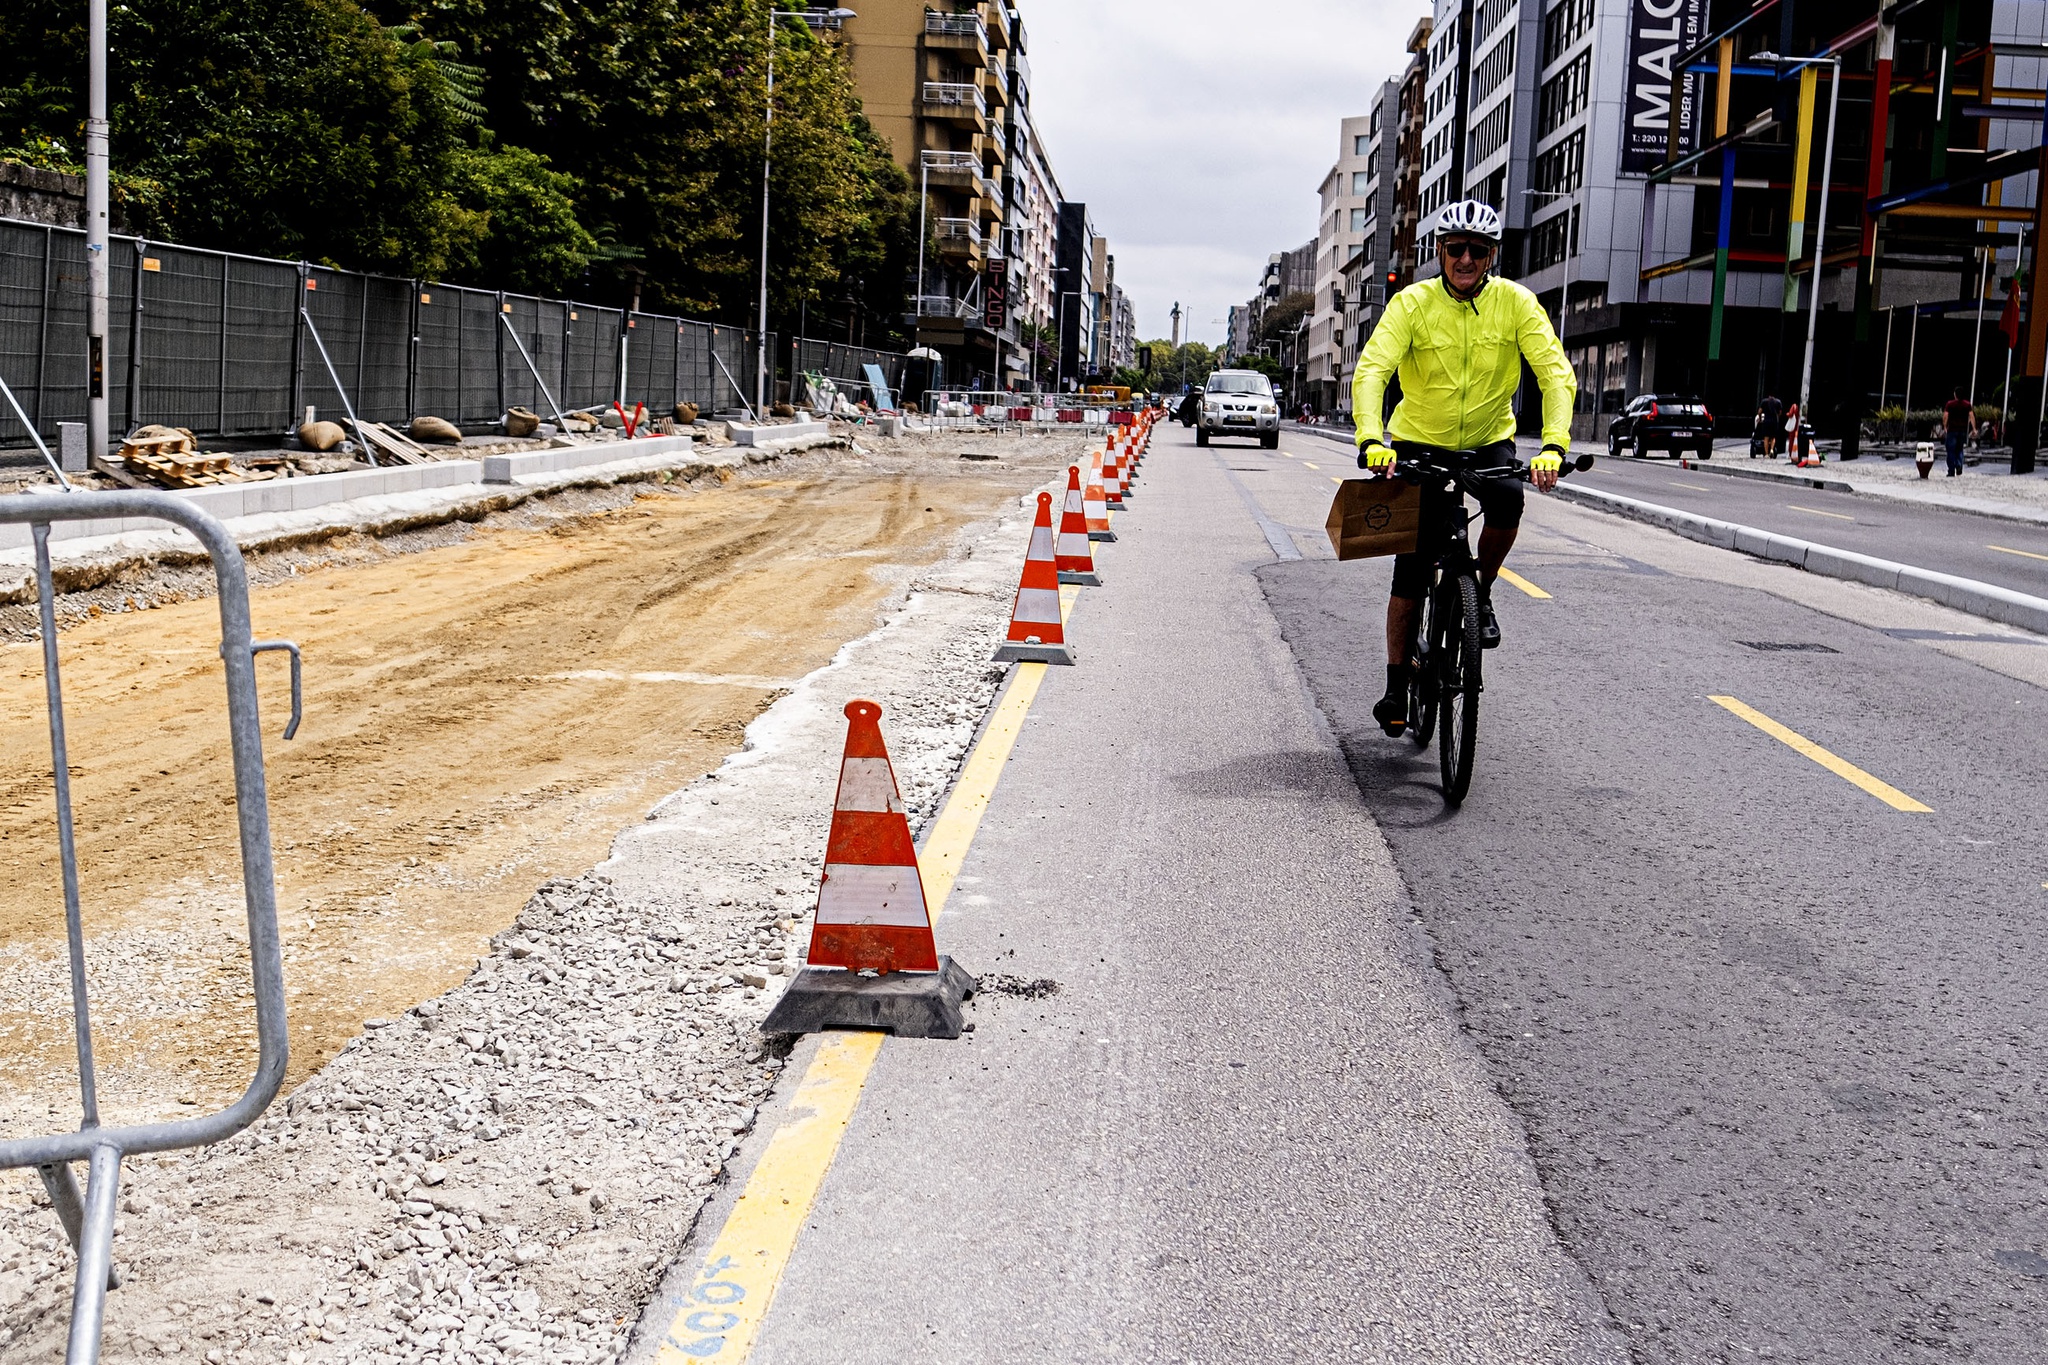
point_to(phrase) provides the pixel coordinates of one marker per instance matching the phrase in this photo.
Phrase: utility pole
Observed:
(767, 161)
(96, 159)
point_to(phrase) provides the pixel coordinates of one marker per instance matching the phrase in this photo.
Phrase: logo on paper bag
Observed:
(1377, 516)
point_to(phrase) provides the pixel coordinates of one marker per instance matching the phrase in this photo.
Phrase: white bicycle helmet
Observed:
(1470, 217)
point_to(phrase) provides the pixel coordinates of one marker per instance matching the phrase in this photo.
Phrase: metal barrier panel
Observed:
(593, 356)
(262, 320)
(88, 1215)
(26, 266)
(213, 341)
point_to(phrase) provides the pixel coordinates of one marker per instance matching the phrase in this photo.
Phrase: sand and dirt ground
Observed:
(487, 706)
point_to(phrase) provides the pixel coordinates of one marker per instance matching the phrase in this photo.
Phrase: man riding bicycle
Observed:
(1457, 343)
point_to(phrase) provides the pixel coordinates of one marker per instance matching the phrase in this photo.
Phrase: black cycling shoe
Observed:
(1391, 711)
(1489, 625)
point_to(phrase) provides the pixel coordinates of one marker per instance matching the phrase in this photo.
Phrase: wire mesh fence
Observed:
(846, 364)
(218, 343)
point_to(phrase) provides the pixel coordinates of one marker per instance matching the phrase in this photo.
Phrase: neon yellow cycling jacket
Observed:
(1460, 364)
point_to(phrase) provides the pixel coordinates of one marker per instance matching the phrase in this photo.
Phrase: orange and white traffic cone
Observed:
(1112, 478)
(873, 961)
(1095, 503)
(1071, 552)
(1037, 631)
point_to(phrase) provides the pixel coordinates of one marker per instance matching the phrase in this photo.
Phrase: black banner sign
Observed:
(1659, 31)
(995, 295)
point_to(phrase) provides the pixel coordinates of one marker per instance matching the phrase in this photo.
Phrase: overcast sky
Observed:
(1197, 131)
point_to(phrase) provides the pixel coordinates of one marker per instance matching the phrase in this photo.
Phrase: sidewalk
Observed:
(1216, 1106)
(1987, 490)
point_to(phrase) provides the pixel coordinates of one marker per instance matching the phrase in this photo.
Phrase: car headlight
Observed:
(1268, 409)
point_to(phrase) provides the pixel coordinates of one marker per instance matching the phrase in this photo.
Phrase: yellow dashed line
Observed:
(1306, 465)
(2007, 550)
(1509, 575)
(1840, 767)
(1816, 512)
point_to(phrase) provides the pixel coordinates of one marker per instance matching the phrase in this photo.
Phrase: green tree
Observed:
(294, 128)
(1189, 363)
(1283, 319)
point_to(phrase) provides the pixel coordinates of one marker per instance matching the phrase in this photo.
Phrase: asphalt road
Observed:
(1774, 1041)
(1673, 1044)
(2010, 554)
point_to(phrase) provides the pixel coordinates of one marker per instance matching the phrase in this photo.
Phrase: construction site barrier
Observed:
(88, 1215)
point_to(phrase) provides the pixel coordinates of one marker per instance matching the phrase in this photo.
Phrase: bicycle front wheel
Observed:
(1458, 667)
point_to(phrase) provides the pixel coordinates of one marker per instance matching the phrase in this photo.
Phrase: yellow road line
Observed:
(719, 1318)
(1335, 479)
(1816, 512)
(1524, 584)
(2008, 550)
(1286, 455)
(1698, 487)
(1306, 465)
(1840, 767)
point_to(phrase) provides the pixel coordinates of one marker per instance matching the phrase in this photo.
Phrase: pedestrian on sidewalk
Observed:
(1770, 417)
(1791, 429)
(1958, 424)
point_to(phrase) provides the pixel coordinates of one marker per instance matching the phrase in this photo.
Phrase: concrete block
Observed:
(745, 435)
(1785, 550)
(907, 1004)
(71, 452)
(500, 469)
(1751, 541)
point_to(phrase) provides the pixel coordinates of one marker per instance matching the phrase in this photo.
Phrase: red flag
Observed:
(2009, 320)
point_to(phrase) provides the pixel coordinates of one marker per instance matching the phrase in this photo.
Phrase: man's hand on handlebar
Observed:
(1376, 456)
(1543, 469)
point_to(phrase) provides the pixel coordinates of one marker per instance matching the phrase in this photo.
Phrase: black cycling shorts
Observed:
(1500, 504)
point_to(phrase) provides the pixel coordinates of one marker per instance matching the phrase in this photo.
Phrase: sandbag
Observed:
(438, 430)
(686, 413)
(520, 422)
(321, 435)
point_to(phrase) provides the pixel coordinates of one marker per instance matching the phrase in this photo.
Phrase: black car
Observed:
(1671, 422)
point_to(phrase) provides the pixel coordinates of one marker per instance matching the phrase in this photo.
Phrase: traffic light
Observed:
(1393, 280)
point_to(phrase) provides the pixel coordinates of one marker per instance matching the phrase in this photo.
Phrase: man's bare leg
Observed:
(1494, 544)
(1401, 614)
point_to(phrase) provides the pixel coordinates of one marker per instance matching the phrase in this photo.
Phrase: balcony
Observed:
(950, 100)
(960, 170)
(959, 232)
(999, 23)
(946, 306)
(955, 31)
(997, 86)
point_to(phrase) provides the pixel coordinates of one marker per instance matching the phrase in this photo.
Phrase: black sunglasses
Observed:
(1458, 251)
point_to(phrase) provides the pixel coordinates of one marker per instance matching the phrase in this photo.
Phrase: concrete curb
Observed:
(1973, 507)
(1964, 594)
(1761, 475)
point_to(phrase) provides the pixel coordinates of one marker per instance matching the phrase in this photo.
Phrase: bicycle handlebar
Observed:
(1409, 469)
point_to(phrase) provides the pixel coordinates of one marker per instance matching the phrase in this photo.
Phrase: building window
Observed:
(1491, 12)
(1564, 24)
(1551, 240)
(1563, 96)
(1358, 219)
(1491, 132)
(1361, 181)
(1559, 170)
(1361, 144)
(1495, 67)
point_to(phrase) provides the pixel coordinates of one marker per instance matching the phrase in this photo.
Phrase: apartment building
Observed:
(1346, 195)
(1363, 277)
(937, 83)
(1033, 201)
(1076, 294)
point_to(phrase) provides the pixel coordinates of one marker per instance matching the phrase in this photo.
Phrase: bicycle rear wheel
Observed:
(1458, 671)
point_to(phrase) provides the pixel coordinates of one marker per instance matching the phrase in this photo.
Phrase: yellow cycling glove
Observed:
(1376, 456)
(1548, 461)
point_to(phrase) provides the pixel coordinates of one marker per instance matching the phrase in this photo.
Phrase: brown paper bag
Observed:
(1375, 517)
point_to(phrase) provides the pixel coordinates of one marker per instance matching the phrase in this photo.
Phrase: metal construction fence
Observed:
(217, 342)
(845, 365)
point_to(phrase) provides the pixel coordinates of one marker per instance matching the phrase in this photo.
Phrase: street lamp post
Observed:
(96, 158)
(767, 163)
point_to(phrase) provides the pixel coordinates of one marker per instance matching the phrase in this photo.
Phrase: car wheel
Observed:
(1270, 440)
(1635, 447)
(1613, 444)
(1201, 436)
(1707, 451)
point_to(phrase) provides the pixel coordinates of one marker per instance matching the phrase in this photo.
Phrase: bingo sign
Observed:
(1659, 31)
(995, 294)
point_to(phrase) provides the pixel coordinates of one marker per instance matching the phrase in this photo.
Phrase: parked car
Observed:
(1239, 403)
(1671, 422)
(1190, 408)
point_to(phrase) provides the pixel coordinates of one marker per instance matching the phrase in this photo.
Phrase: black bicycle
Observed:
(1446, 674)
